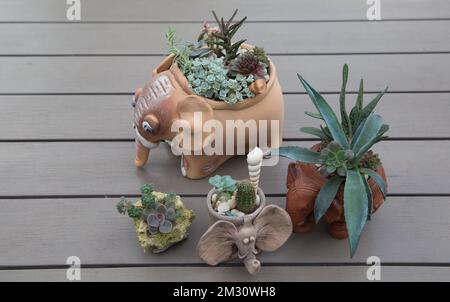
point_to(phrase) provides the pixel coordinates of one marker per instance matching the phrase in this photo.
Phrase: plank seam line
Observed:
(121, 140)
(212, 21)
(50, 55)
(284, 93)
(101, 196)
(267, 264)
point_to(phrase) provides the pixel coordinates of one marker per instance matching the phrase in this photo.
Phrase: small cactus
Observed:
(245, 197)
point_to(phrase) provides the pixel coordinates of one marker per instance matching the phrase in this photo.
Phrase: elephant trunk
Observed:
(143, 148)
(252, 264)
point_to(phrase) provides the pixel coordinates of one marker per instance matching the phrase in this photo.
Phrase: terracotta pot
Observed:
(237, 221)
(167, 98)
(304, 183)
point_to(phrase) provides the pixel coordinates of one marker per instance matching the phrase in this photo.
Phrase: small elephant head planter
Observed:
(223, 241)
(167, 98)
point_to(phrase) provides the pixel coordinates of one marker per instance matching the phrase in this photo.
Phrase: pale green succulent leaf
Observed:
(355, 207)
(298, 153)
(366, 136)
(378, 180)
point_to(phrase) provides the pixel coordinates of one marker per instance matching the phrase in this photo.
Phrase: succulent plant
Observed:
(334, 159)
(349, 152)
(161, 219)
(245, 197)
(247, 64)
(208, 77)
(126, 207)
(370, 160)
(223, 183)
(220, 41)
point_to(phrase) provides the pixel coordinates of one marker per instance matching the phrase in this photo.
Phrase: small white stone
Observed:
(232, 203)
(258, 200)
(223, 207)
(214, 197)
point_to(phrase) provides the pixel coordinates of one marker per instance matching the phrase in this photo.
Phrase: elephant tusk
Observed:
(146, 143)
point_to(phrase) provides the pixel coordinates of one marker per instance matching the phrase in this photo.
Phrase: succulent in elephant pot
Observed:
(214, 79)
(341, 178)
(160, 219)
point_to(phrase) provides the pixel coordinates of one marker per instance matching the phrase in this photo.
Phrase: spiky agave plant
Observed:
(347, 143)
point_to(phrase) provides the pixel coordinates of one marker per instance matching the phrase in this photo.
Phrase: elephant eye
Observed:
(245, 240)
(147, 127)
(252, 238)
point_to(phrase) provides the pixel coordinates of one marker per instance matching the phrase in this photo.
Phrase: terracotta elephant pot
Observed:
(304, 183)
(167, 98)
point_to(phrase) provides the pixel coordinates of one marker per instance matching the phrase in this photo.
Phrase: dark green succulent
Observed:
(245, 197)
(126, 207)
(345, 159)
(221, 41)
(249, 64)
(334, 159)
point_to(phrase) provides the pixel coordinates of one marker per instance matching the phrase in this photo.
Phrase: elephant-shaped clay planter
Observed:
(266, 229)
(304, 182)
(167, 98)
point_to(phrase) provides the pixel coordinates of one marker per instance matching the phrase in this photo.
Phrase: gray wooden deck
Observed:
(66, 145)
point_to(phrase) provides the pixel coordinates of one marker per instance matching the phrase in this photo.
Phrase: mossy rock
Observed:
(160, 242)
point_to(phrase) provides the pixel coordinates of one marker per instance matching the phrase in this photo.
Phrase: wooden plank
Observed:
(163, 10)
(233, 274)
(405, 73)
(147, 38)
(106, 168)
(48, 231)
(89, 117)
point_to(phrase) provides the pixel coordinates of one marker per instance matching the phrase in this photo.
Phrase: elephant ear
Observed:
(189, 109)
(217, 244)
(273, 227)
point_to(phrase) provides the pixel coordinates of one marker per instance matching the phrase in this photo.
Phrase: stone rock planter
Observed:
(160, 219)
(304, 182)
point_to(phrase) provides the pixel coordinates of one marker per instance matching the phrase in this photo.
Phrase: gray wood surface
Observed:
(302, 38)
(64, 84)
(103, 168)
(233, 274)
(405, 230)
(108, 116)
(404, 73)
(257, 10)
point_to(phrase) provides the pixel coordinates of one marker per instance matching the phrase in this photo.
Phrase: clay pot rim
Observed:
(167, 63)
(235, 220)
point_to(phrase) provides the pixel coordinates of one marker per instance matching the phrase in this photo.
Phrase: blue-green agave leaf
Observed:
(366, 111)
(360, 98)
(326, 195)
(298, 153)
(355, 207)
(366, 136)
(327, 114)
(369, 198)
(314, 131)
(378, 180)
(344, 115)
(314, 115)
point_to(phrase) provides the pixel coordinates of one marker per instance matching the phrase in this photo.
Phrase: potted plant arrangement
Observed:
(217, 77)
(241, 223)
(340, 178)
(160, 219)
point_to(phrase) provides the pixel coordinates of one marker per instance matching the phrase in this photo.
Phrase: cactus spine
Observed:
(245, 197)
